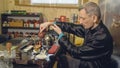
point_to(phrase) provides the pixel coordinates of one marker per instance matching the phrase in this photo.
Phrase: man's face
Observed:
(85, 19)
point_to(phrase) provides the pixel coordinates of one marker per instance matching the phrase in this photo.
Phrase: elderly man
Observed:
(98, 44)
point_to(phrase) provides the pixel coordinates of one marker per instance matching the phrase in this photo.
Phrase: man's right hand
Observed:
(44, 25)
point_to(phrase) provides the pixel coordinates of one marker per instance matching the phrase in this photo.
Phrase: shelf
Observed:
(19, 28)
(17, 25)
(23, 15)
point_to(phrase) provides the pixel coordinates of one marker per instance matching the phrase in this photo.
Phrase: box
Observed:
(16, 23)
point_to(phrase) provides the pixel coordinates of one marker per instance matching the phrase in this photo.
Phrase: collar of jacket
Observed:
(98, 27)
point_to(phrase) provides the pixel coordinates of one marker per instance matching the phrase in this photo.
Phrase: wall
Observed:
(96, 1)
(50, 13)
(2, 8)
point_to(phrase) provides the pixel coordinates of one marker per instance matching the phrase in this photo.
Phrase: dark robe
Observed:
(97, 48)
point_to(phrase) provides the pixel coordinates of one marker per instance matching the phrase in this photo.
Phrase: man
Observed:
(98, 44)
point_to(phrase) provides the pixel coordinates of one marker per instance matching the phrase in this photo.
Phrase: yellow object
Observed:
(16, 23)
(78, 41)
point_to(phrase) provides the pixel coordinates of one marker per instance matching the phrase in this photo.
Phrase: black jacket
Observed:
(97, 48)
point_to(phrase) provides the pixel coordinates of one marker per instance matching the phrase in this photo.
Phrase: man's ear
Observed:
(94, 18)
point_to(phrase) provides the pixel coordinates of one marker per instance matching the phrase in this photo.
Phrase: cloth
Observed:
(73, 60)
(97, 48)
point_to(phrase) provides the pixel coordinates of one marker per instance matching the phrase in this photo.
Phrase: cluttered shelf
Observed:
(19, 20)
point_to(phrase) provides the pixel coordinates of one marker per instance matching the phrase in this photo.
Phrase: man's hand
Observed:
(44, 25)
(56, 28)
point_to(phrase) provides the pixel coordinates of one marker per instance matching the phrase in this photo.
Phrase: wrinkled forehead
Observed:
(83, 13)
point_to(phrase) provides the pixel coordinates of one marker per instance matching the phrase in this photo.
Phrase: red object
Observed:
(53, 49)
(41, 35)
(36, 24)
(63, 18)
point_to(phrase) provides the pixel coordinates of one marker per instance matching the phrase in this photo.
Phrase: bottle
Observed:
(21, 34)
(31, 24)
(37, 24)
(34, 22)
(12, 34)
(4, 23)
(16, 34)
(9, 35)
(28, 23)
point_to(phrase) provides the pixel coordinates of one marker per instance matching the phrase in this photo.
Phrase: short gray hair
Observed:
(92, 9)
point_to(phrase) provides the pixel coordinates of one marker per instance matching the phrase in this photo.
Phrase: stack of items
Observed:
(42, 47)
(46, 48)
